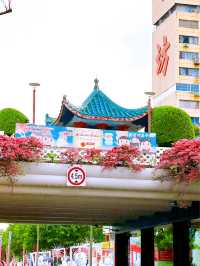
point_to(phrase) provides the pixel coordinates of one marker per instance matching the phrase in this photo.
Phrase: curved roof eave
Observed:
(75, 111)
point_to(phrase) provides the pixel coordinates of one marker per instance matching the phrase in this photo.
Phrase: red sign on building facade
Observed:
(162, 58)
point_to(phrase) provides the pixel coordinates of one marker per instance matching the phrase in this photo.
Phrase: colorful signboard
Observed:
(75, 256)
(101, 255)
(63, 137)
(40, 259)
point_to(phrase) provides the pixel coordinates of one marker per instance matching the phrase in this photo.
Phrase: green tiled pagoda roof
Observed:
(98, 106)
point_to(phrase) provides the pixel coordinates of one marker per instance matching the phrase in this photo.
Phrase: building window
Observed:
(189, 56)
(192, 24)
(187, 87)
(195, 120)
(189, 104)
(188, 39)
(187, 8)
(185, 71)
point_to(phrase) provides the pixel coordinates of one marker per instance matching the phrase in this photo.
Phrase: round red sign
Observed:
(76, 176)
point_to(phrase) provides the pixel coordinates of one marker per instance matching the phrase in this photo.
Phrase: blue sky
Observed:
(65, 44)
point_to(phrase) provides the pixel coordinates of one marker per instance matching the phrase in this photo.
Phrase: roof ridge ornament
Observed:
(96, 84)
(64, 97)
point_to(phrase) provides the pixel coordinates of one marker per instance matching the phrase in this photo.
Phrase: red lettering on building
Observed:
(162, 58)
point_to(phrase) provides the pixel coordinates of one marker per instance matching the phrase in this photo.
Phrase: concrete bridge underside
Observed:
(114, 197)
(24, 208)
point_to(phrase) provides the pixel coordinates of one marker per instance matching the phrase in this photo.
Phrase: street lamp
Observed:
(34, 85)
(150, 94)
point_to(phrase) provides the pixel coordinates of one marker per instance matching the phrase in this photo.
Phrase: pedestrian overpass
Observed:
(114, 197)
(117, 197)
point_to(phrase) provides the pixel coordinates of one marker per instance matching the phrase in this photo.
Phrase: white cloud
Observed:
(64, 44)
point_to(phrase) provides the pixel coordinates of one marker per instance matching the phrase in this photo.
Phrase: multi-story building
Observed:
(176, 55)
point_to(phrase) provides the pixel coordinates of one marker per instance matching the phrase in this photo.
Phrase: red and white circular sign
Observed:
(76, 176)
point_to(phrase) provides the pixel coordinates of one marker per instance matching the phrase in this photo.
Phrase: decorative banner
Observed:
(135, 251)
(43, 259)
(84, 138)
(76, 176)
(101, 256)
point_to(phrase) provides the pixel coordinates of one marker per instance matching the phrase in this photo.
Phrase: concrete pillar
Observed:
(147, 247)
(181, 243)
(122, 249)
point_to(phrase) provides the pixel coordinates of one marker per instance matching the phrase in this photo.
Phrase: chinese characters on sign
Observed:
(162, 58)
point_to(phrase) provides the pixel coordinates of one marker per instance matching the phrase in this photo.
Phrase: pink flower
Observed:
(15, 149)
(182, 161)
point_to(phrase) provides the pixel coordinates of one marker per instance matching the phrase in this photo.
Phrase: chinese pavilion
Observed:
(98, 111)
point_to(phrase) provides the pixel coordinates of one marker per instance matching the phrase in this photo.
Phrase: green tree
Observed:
(51, 236)
(22, 236)
(163, 238)
(8, 119)
(196, 130)
(171, 124)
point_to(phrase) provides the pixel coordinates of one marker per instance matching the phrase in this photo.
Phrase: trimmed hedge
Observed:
(8, 119)
(171, 124)
(196, 130)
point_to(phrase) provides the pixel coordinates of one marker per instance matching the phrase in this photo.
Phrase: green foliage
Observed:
(8, 119)
(51, 236)
(196, 130)
(163, 238)
(165, 263)
(171, 124)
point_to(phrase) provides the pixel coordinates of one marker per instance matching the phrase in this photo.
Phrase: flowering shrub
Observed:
(182, 161)
(17, 149)
(9, 168)
(75, 156)
(93, 156)
(71, 156)
(122, 156)
(30, 149)
(119, 156)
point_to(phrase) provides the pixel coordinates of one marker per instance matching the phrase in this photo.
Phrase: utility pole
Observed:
(38, 243)
(91, 244)
(8, 248)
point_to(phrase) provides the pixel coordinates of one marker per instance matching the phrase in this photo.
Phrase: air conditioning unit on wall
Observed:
(186, 45)
(196, 61)
(196, 93)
